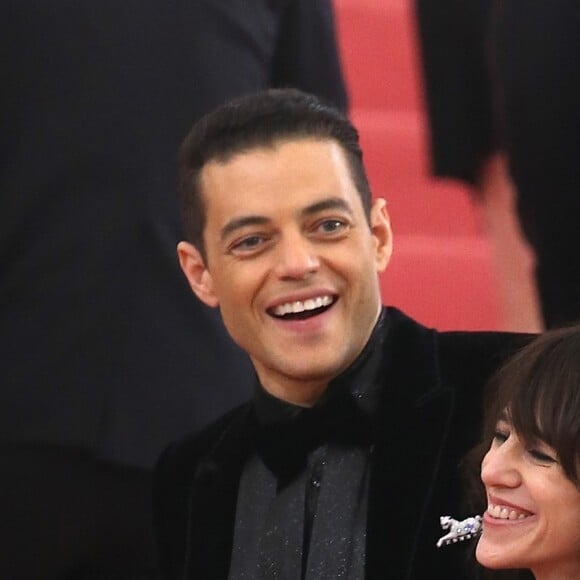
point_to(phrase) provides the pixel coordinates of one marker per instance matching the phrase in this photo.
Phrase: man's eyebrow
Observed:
(330, 203)
(237, 223)
(258, 220)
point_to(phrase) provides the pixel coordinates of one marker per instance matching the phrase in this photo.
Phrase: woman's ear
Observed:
(197, 274)
(381, 230)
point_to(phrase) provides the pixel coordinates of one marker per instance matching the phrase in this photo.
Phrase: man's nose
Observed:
(499, 468)
(296, 258)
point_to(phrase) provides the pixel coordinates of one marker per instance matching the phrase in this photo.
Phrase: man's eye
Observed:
(331, 226)
(249, 243)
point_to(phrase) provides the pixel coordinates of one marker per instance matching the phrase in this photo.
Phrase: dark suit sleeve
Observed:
(307, 55)
(479, 354)
(171, 485)
(468, 362)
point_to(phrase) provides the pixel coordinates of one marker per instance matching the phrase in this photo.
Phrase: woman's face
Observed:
(533, 514)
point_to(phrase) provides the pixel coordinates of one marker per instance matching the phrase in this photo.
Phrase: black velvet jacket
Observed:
(428, 415)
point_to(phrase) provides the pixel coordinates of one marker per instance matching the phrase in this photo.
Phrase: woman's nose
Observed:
(499, 468)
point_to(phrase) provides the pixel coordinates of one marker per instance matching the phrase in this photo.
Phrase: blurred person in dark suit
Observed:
(502, 76)
(452, 39)
(105, 356)
(535, 50)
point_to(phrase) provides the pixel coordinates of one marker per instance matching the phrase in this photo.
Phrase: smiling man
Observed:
(346, 457)
(290, 255)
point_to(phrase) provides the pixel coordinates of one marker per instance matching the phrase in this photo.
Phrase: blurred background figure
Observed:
(535, 49)
(502, 90)
(448, 270)
(453, 38)
(105, 354)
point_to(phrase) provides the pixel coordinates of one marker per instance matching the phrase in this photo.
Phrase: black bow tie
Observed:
(284, 446)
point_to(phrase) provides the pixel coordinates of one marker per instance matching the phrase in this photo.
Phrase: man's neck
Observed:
(303, 393)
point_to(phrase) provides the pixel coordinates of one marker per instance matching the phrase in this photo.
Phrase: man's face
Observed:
(291, 262)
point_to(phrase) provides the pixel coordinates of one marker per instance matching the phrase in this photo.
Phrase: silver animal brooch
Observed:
(463, 530)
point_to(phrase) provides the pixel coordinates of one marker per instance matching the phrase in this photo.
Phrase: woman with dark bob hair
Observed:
(530, 464)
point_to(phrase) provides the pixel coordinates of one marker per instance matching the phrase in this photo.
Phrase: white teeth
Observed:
(301, 306)
(504, 513)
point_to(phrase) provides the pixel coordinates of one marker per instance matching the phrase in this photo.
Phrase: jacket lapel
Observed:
(415, 416)
(213, 501)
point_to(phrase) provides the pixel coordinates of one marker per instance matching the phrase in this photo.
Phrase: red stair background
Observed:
(441, 272)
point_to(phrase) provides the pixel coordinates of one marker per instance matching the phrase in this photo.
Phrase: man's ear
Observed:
(197, 274)
(381, 230)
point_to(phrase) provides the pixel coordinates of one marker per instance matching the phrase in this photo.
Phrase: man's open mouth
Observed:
(302, 309)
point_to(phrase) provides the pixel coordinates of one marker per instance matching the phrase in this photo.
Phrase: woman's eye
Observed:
(542, 456)
(500, 437)
(502, 431)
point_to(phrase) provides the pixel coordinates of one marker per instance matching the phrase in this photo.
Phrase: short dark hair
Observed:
(539, 388)
(260, 120)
